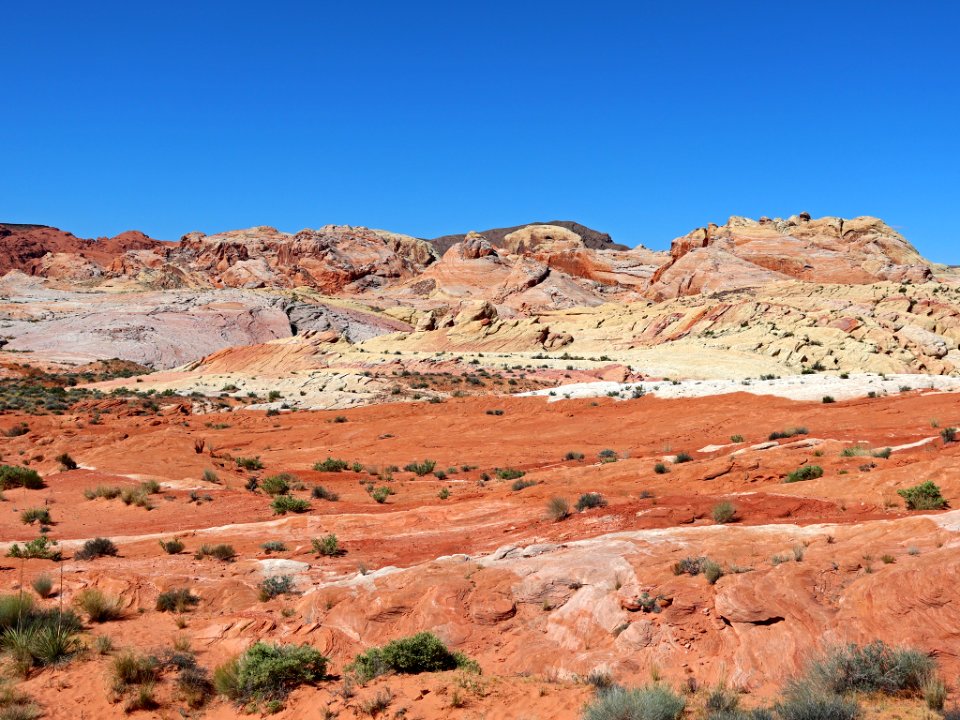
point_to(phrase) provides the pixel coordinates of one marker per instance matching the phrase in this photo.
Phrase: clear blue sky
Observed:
(641, 119)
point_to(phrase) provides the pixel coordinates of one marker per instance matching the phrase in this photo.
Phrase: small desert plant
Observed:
(97, 547)
(172, 547)
(590, 500)
(661, 468)
(788, 433)
(210, 476)
(736, 438)
(98, 607)
(66, 462)
(934, 693)
(319, 492)
(275, 585)
(223, 552)
(194, 686)
(40, 547)
(14, 476)
(828, 399)
(875, 667)
(807, 472)
(518, 485)
(420, 653)
(712, 571)
(509, 473)
(331, 465)
(724, 512)
(277, 484)
(268, 672)
(108, 492)
(420, 469)
(177, 600)
(806, 701)
(132, 669)
(689, 565)
(103, 644)
(443, 494)
(654, 702)
(381, 494)
(573, 456)
(282, 504)
(32, 515)
(328, 546)
(607, 456)
(925, 496)
(682, 457)
(949, 435)
(42, 585)
(558, 509)
(249, 463)
(272, 546)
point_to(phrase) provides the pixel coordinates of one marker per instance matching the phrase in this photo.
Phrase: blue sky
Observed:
(641, 119)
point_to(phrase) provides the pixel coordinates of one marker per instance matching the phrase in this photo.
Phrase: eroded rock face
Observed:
(749, 253)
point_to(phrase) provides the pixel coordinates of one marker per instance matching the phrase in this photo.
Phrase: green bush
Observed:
(925, 496)
(381, 494)
(42, 585)
(271, 546)
(875, 667)
(269, 672)
(653, 702)
(788, 433)
(509, 473)
(66, 462)
(331, 465)
(172, 547)
(32, 515)
(421, 469)
(328, 546)
(607, 456)
(661, 468)
(97, 547)
(246, 463)
(590, 500)
(282, 504)
(41, 548)
(275, 585)
(807, 472)
(14, 476)
(277, 484)
(682, 457)
(108, 492)
(177, 600)
(420, 653)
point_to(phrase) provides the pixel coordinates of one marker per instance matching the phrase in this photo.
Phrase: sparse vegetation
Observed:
(14, 476)
(423, 652)
(654, 702)
(275, 585)
(177, 600)
(36, 515)
(788, 433)
(98, 607)
(807, 472)
(249, 463)
(319, 492)
(925, 496)
(282, 504)
(724, 512)
(661, 468)
(422, 468)
(223, 552)
(172, 547)
(518, 485)
(268, 672)
(331, 465)
(558, 509)
(95, 548)
(328, 546)
(42, 585)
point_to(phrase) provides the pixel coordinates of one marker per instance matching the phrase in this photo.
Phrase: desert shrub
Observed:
(102, 645)
(272, 546)
(444, 493)
(16, 705)
(518, 485)
(712, 571)
(18, 430)
(806, 701)
(828, 399)
(319, 492)
(249, 463)
(807, 472)
(590, 500)
(172, 547)
(108, 492)
(282, 504)
(736, 438)
(194, 686)
(136, 496)
(328, 546)
(269, 672)
(724, 512)
(42, 548)
(13, 608)
(558, 509)
(42, 585)
(420, 469)
(66, 462)
(223, 552)
(14, 476)
(41, 644)
(150, 487)
(275, 585)
(32, 515)
(654, 702)
(682, 457)
(277, 484)
(934, 693)
(97, 547)
(210, 476)
(420, 653)
(331, 465)
(509, 473)
(925, 496)
(875, 667)
(98, 607)
(573, 456)
(661, 468)
(381, 494)
(720, 699)
(128, 669)
(689, 565)
(788, 433)
(949, 435)
(177, 600)
(607, 455)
